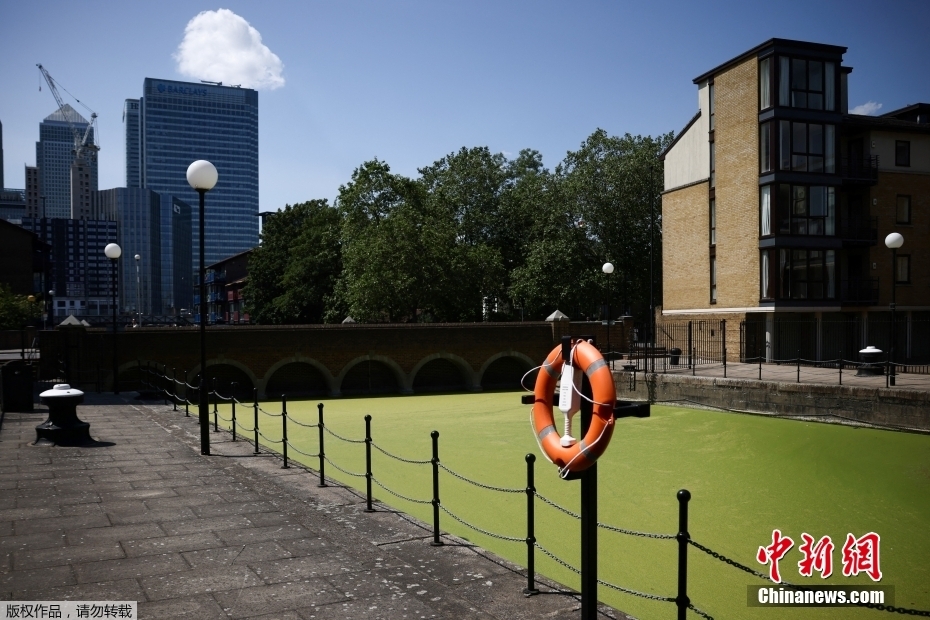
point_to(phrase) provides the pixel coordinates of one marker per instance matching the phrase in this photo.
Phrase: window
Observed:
(807, 147)
(713, 279)
(764, 284)
(903, 210)
(765, 83)
(765, 211)
(807, 274)
(902, 269)
(807, 84)
(713, 221)
(765, 147)
(902, 153)
(806, 210)
(713, 176)
(710, 104)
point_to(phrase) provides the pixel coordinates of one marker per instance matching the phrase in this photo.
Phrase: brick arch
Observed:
(527, 363)
(468, 373)
(298, 359)
(402, 383)
(223, 360)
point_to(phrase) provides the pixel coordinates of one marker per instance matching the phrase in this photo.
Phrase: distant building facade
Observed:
(225, 280)
(176, 256)
(64, 181)
(24, 260)
(181, 122)
(81, 275)
(33, 198)
(12, 205)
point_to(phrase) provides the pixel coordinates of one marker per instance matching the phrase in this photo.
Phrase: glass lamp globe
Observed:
(112, 251)
(894, 241)
(202, 175)
(608, 268)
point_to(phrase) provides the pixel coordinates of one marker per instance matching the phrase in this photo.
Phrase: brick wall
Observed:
(737, 187)
(685, 239)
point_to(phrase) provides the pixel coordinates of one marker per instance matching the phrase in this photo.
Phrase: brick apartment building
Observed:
(777, 202)
(225, 280)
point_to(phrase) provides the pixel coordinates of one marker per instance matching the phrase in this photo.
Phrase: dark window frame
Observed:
(906, 258)
(789, 288)
(902, 153)
(784, 219)
(897, 209)
(712, 273)
(712, 221)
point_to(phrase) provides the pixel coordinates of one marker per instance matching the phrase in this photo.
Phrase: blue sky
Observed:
(409, 82)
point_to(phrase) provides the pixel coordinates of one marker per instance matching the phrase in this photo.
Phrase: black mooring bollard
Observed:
(530, 528)
(284, 429)
(255, 419)
(322, 482)
(435, 461)
(682, 600)
(368, 507)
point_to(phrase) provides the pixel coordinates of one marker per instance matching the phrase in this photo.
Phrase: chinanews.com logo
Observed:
(858, 555)
(180, 90)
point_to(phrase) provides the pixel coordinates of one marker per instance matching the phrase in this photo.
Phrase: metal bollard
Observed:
(216, 426)
(234, 419)
(187, 399)
(322, 482)
(284, 429)
(682, 600)
(840, 356)
(435, 461)
(368, 507)
(760, 368)
(174, 388)
(799, 365)
(255, 422)
(530, 528)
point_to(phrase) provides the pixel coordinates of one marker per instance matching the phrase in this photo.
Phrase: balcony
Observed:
(218, 277)
(864, 231)
(859, 169)
(864, 291)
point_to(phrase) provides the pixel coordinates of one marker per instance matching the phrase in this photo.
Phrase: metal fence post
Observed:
(840, 364)
(216, 397)
(723, 334)
(284, 429)
(799, 365)
(164, 382)
(187, 399)
(435, 461)
(887, 369)
(234, 418)
(368, 507)
(174, 388)
(760, 368)
(690, 345)
(255, 421)
(322, 453)
(682, 600)
(694, 365)
(530, 527)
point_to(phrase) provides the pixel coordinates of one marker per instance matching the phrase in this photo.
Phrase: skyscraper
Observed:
(181, 122)
(63, 181)
(133, 158)
(1, 154)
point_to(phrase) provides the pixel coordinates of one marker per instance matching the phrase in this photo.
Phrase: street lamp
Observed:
(138, 289)
(113, 252)
(608, 269)
(202, 176)
(893, 242)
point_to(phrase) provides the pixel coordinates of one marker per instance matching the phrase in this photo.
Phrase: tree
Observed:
(16, 311)
(293, 272)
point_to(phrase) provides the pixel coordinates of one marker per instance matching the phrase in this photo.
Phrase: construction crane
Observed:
(85, 146)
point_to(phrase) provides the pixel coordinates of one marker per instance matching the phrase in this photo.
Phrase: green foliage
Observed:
(292, 274)
(475, 236)
(16, 311)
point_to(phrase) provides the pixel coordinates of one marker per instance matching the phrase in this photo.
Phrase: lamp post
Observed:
(113, 252)
(893, 242)
(202, 176)
(608, 269)
(138, 290)
(50, 316)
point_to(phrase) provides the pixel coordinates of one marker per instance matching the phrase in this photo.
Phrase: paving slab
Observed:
(148, 518)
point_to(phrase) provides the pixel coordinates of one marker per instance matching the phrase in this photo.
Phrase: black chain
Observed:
(396, 494)
(703, 614)
(340, 437)
(478, 529)
(479, 484)
(620, 530)
(348, 473)
(301, 423)
(299, 451)
(399, 458)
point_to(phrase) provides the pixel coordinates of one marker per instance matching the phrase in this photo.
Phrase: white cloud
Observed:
(221, 46)
(870, 108)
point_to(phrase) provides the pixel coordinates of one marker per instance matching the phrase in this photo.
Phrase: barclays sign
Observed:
(181, 90)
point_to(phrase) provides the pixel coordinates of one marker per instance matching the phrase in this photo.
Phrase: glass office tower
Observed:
(54, 159)
(181, 122)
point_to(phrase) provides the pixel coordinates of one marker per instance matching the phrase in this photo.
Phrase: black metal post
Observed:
(174, 388)
(187, 397)
(760, 368)
(799, 365)
(255, 419)
(588, 517)
(694, 365)
(682, 600)
(203, 411)
(284, 430)
(234, 418)
(164, 382)
(435, 461)
(840, 364)
(690, 361)
(322, 452)
(216, 398)
(723, 335)
(368, 507)
(610, 360)
(894, 326)
(115, 271)
(530, 527)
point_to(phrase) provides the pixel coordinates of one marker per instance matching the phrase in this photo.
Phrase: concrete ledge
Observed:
(889, 407)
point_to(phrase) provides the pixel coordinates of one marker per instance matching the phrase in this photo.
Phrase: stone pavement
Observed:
(147, 518)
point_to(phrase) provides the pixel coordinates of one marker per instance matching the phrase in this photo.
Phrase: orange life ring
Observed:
(583, 454)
